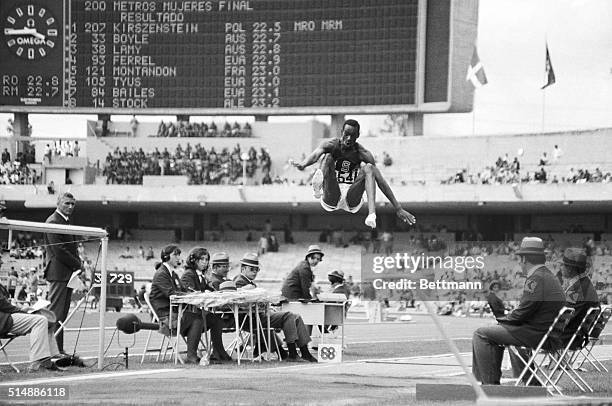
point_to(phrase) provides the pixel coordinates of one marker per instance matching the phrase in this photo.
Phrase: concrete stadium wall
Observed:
(432, 158)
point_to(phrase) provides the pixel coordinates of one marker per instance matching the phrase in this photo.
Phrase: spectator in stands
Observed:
(387, 242)
(557, 154)
(387, 160)
(299, 281)
(134, 125)
(6, 156)
(126, 253)
(150, 254)
(525, 326)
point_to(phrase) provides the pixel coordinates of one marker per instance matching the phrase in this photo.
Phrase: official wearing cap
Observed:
(296, 333)
(525, 326)
(298, 282)
(580, 294)
(220, 268)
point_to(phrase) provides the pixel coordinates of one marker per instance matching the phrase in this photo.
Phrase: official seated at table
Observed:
(580, 294)
(296, 333)
(218, 272)
(166, 283)
(298, 283)
(193, 280)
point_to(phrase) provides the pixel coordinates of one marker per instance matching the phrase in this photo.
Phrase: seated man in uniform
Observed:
(219, 270)
(296, 333)
(348, 170)
(525, 326)
(16, 321)
(579, 293)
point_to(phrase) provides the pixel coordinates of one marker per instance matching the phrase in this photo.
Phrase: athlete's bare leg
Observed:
(331, 190)
(364, 182)
(355, 193)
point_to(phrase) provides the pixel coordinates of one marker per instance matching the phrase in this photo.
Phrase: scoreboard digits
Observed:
(219, 56)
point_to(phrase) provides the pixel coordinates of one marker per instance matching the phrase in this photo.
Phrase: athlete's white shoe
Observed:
(370, 221)
(317, 184)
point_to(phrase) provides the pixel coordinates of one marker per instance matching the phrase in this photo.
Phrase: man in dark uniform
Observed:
(165, 284)
(296, 333)
(219, 270)
(348, 169)
(193, 279)
(526, 325)
(62, 259)
(579, 293)
(297, 284)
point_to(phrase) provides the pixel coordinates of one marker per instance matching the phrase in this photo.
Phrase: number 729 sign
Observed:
(119, 283)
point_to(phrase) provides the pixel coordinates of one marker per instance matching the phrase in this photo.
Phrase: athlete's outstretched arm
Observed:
(313, 157)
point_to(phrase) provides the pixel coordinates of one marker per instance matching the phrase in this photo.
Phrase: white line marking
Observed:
(111, 375)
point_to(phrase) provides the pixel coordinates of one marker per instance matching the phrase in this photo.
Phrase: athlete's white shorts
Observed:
(342, 203)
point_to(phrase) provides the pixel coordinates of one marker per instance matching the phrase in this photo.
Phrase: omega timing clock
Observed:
(30, 31)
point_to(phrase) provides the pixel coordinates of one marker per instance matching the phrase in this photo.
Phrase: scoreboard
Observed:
(236, 57)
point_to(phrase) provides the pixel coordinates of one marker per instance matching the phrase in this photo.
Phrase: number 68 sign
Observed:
(330, 353)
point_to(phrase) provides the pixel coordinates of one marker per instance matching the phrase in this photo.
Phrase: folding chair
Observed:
(8, 338)
(595, 331)
(166, 343)
(563, 365)
(546, 347)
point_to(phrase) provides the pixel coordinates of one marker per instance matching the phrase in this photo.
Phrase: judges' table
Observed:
(248, 302)
(319, 314)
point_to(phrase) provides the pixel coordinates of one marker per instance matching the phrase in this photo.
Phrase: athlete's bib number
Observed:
(330, 353)
(345, 174)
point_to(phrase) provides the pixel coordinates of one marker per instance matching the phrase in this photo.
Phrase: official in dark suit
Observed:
(298, 282)
(525, 326)
(62, 259)
(165, 284)
(193, 279)
(579, 293)
(219, 270)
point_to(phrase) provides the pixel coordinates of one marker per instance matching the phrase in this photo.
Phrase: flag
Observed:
(550, 73)
(475, 72)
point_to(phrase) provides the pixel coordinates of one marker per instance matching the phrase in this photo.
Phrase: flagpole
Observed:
(543, 107)
(474, 113)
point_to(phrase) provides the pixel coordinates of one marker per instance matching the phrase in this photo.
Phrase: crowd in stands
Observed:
(189, 129)
(17, 171)
(506, 171)
(203, 167)
(61, 148)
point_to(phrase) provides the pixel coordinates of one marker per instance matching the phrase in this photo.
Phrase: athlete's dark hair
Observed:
(352, 123)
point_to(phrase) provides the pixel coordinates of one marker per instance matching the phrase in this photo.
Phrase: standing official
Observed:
(62, 259)
(298, 282)
(525, 326)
